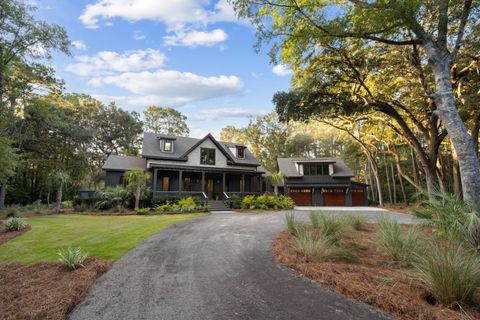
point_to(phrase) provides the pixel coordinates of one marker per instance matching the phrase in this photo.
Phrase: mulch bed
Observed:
(5, 236)
(45, 290)
(370, 279)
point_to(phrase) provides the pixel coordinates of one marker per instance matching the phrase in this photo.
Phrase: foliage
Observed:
(266, 201)
(187, 204)
(112, 197)
(448, 272)
(14, 224)
(317, 246)
(160, 200)
(8, 159)
(143, 211)
(72, 257)
(400, 247)
(165, 120)
(67, 204)
(10, 212)
(331, 226)
(294, 227)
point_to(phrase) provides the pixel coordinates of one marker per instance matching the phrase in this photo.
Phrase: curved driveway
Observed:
(215, 267)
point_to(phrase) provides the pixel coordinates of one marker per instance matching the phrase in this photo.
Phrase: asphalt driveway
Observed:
(215, 267)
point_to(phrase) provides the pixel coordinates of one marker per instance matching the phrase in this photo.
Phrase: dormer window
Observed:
(240, 152)
(167, 146)
(316, 169)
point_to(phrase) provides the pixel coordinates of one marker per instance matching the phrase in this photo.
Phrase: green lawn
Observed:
(106, 237)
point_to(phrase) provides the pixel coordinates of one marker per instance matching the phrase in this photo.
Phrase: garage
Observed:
(301, 196)
(358, 197)
(333, 197)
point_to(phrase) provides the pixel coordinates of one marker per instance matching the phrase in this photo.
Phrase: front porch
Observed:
(209, 184)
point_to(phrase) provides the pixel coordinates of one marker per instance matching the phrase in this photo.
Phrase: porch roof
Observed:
(203, 169)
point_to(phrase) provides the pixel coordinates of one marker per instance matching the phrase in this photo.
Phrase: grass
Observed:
(330, 225)
(107, 237)
(449, 272)
(316, 246)
(399, 246)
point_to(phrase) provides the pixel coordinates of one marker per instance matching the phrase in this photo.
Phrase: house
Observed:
(208, 168)
(321, 182)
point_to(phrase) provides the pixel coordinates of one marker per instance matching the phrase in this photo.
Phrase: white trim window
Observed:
(167, 146)
(240, 152)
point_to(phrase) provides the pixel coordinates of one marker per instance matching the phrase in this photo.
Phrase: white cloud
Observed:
(141, 102)
(196, 38)
(139, 35)
(176, 14)
(79, 45)
(282, 70)
(110, 62)
(218, 113)
(185, 86)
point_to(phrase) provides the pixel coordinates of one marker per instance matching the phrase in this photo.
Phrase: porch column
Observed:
(223, 182)
(242, 185)
(203, 181)
(180, 181)
(155, 173)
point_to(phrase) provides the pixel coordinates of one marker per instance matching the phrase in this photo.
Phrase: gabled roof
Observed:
(115, 162)
(289, 168)
(184, 145)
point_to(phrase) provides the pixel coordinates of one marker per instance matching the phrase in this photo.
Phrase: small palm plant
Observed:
(276, 179)
(72, 257)
(137, 180)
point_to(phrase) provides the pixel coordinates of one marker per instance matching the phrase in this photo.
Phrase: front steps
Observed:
(217, 205)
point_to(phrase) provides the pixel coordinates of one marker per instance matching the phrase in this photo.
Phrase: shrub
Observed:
(266, 201)
(14, 224)
(236, 201)
(450, 273)
(160, 200)
(330, 225)
(67, 204)
(11, 212)
(286, 202)
(248, 202)
(187, 204)
(355, 222)
(116, 197)
(72, 258)
(143, 211)
(400, 247)
(163, 207)
(316, 246)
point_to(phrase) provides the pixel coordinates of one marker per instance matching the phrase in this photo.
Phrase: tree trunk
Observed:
(374, 167)
(457, 189)
(416, 178)
(394, 183)
(275, 190)
(388, 180)
(402, 188)
(3, 192)
(58, 199)
(137, 198)
(461, 140)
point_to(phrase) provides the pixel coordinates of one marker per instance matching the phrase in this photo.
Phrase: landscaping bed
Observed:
(371, 278)
(5, 236)
(255, 211)
(45, 290)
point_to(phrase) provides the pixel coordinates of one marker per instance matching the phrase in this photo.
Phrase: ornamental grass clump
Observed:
(356, 222)
(14, 224)
(330, 225)
(72, 257)
(449, 272)
(316, 246)
(293, 226)
(400, 247)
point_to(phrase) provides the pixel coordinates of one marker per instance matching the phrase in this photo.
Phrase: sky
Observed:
(192, 55)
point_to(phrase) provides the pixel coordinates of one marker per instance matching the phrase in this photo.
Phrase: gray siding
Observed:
(112, 178)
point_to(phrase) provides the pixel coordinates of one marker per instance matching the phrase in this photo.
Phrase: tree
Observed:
(137, 180)
(276, 179)
(438, 28)
(8, 163)
(165, 120)
(58, 179)
(23, 38)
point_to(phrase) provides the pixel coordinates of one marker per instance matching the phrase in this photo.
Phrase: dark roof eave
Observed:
(165, 158)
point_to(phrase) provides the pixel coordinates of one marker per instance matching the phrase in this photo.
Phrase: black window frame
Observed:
(316, 169)
(207, 156)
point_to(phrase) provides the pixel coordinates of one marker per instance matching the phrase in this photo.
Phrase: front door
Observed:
(209, 187)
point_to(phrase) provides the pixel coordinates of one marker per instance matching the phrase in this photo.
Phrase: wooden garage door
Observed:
(333, 197)
(358, 197)
(301, 196)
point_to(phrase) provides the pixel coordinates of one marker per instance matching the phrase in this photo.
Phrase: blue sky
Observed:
(193, 55)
